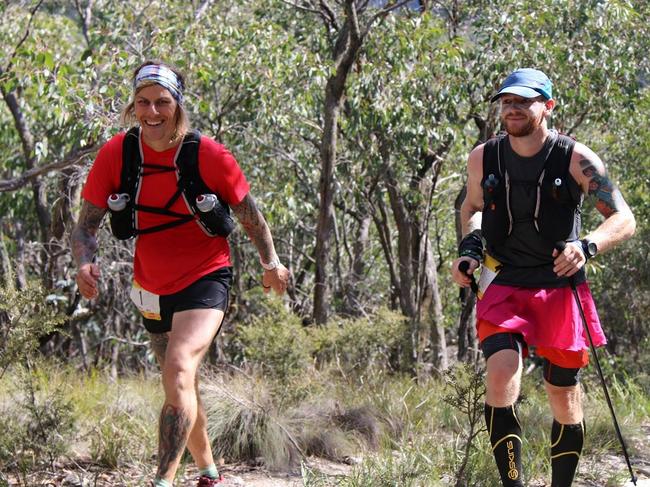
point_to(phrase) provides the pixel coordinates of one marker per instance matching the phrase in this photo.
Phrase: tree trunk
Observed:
(380, 219)
(404, 246)
(6, 273)
(431, 315)
(352, 306)
(19, 236)
(346, 50)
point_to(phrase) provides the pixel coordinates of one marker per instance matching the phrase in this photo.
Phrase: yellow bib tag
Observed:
(489, 271)
(148, 303)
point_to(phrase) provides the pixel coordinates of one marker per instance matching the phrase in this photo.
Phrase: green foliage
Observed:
(120, 436)
(379, 341)
(465, 391)
(38, 426)
(25, 315)
(276, 342)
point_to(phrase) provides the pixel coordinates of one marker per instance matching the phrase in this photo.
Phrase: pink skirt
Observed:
(545, 317)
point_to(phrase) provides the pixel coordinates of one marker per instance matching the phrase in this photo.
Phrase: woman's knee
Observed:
(179, 374)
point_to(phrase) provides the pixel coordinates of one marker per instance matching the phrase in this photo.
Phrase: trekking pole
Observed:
(462, 267)
(560, 247)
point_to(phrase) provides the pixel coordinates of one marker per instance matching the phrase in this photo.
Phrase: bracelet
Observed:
(275, 262)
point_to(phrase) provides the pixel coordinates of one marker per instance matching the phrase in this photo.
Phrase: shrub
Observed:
(25, 315)
(378, 341)
(275, 342)
(119, 437)
(37, 427)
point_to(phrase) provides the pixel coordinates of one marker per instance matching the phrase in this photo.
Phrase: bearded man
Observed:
(525, 190)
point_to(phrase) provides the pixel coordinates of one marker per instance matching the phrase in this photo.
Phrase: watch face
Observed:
(592, 249)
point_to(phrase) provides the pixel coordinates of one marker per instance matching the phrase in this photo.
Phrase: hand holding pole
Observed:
(464, 267)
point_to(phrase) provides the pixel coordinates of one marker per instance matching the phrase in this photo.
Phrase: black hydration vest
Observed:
(529, 205)
(216, 222)
(558, 202)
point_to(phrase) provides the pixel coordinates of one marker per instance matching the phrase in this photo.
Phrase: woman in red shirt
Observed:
(182, 274)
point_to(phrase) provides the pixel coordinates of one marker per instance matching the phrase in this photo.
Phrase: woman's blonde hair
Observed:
(181, 120)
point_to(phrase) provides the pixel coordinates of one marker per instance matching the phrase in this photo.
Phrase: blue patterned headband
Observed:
(163, 76)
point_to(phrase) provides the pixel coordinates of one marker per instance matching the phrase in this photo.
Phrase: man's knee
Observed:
(560, 376)
(502, 353)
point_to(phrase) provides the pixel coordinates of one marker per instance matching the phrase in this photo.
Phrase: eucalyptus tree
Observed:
(347, 25)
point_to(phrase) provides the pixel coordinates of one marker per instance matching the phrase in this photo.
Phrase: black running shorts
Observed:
(209, 292)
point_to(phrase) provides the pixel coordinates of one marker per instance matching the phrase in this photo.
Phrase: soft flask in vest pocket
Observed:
(121, 215)
(558, 211)
(495, 225)
(214, 215)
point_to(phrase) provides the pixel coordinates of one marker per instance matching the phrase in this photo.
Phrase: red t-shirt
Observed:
(170, 260)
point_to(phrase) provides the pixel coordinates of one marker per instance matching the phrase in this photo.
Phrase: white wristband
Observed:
(271, 265)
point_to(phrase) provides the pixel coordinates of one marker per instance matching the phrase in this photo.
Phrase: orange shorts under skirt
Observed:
(548, 319)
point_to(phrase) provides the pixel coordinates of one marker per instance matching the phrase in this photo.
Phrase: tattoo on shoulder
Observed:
(608, 197)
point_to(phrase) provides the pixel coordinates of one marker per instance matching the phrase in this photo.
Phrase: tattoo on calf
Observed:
(174, 430)
(608, 197)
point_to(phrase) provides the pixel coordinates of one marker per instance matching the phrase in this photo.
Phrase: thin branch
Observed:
(70, 160)
(124, 340)
(581, 118)
(86, 16)
(383, 12)
(329, 14)
(303, 8)
(24, 38)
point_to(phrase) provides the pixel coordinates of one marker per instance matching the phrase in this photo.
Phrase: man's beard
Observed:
(521, 131)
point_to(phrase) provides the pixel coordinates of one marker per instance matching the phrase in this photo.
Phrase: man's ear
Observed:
(549, 105)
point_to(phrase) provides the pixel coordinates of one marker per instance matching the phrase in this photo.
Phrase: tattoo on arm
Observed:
(255, 226)
(608, 198)
(83, 238)
(174, 430)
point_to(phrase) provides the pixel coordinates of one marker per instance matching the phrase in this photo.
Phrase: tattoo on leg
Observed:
(174, 429)
(159, 343)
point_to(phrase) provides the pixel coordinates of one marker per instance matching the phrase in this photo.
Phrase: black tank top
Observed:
(524, 255)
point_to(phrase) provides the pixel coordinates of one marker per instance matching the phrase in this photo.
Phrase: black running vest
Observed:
(530, 203)
(190, 185)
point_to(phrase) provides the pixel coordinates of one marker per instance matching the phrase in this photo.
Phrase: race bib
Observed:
(148, 303)
(489, 271)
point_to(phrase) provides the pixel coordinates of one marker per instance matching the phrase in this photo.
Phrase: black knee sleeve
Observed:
(566, 447)
(502, 341)
(560, 376)
(505, 436)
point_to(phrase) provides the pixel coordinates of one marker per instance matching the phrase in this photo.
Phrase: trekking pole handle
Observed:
(463, 267)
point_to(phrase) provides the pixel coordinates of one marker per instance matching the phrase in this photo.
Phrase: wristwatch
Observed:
(589, 248)
(275, 262)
